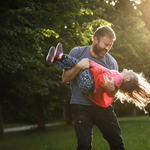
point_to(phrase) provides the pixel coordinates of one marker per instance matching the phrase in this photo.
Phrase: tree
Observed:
(22, 61)
(131, 49)
(33, 26)
(144, 8)
(25, 35)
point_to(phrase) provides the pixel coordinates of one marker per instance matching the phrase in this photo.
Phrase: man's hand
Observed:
(110, 84)
(83, 64)
(69, 75)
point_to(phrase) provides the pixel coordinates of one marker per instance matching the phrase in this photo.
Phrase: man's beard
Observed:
(98, 50)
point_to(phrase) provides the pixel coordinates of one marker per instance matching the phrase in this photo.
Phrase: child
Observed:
(131, 86)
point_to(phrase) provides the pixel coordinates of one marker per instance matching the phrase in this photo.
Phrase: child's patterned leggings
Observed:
(84, 78)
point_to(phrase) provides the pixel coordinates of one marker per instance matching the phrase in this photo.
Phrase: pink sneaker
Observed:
(50, 55)
(58, 52)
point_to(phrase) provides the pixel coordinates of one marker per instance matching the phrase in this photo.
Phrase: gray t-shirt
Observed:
(84, 52)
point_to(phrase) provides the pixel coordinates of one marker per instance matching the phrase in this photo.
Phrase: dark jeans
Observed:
(104, 118)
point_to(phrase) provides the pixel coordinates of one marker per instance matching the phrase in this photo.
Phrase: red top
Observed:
(102, 96)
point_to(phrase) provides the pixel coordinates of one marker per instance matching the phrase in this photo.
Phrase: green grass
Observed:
(135, 132)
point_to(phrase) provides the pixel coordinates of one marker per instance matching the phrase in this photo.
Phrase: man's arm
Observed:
(110, 85)
(69, 75)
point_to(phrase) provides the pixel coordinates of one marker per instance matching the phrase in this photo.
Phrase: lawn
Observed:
(135, 132)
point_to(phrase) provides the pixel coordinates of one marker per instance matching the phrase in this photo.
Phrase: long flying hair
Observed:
(136, 91)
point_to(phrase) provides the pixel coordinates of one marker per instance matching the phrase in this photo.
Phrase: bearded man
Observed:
(85, 112)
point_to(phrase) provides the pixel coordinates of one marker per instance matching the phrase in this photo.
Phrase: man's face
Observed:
(101, 47)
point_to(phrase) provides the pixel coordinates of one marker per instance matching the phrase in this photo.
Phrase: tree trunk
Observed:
(68, 114)
(40, 113)
(1, 125)
(134, 112)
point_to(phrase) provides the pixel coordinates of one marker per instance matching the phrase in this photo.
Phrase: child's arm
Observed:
(98, 66)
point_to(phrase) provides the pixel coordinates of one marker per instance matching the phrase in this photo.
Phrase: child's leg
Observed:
(84, 79)
(67, 62)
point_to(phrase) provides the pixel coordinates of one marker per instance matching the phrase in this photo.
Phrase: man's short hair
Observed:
(104, 31)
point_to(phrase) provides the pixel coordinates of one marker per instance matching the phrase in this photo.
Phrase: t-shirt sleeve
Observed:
(74, 52)
(111, 62)
(114, 64)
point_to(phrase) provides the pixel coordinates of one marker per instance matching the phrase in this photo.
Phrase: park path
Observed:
(27, 127)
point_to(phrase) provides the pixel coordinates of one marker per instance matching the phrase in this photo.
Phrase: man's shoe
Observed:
(50, 55)
(58, 52)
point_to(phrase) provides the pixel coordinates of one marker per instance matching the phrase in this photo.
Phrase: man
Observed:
(85, 112)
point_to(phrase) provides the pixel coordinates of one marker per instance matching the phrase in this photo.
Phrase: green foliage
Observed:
(144, 8)
(29, 28)
(23, 70)
(131, 48)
